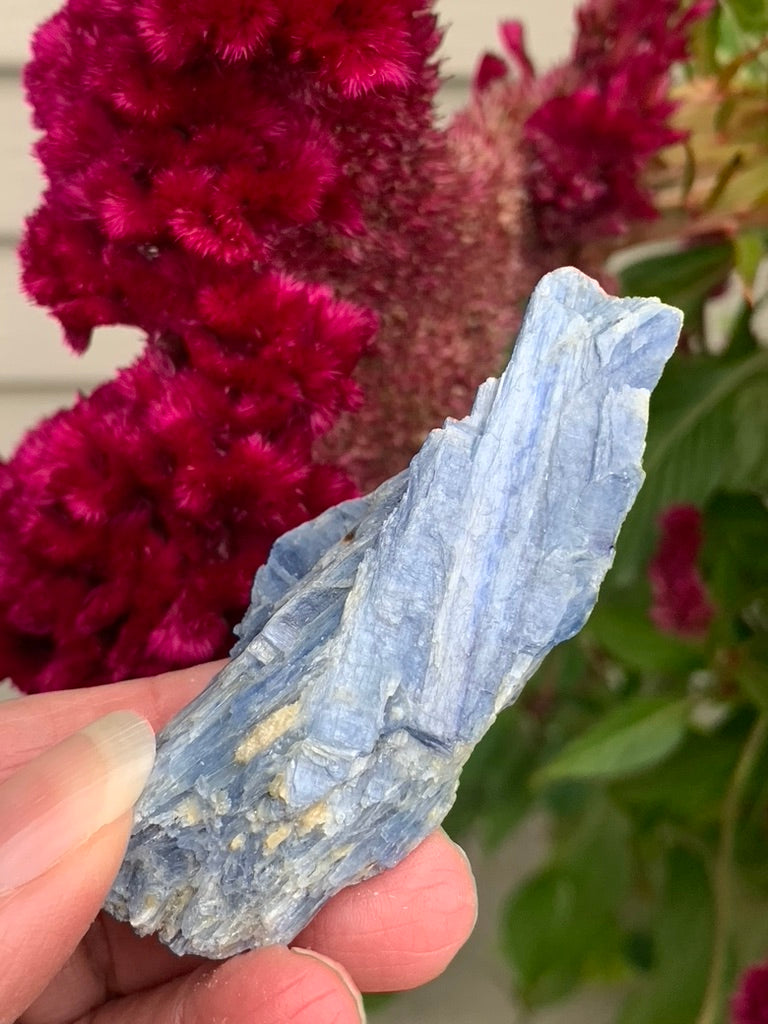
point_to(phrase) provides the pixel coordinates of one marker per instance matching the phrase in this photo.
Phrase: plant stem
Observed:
(723, 870)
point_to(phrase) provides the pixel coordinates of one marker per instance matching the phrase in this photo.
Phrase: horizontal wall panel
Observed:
(22, 181)
(31, 348)
(470, 27)
(19, 20)
(20, 410)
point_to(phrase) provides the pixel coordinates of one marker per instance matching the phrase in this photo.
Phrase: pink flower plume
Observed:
(681, 604)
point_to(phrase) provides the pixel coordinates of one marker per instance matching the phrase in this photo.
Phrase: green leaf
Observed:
(742, 342)
(682, 943)
(750, 447)
(375, 1001)
(749, 853)
(684, 279)
(688, 787)
(626, 632)
(561, 926)
(705, 33)
(749, 249)
(734, 558)
(543, 932)
(629, 739)
(751, 672)
(596, 852)
(493, 793)
(751, 15)
(740, 31)
(751, 931)
(693, 448)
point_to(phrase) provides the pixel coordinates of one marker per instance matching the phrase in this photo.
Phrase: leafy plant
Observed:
(646, 745)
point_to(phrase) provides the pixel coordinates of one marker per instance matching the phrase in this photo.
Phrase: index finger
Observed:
(30, 725)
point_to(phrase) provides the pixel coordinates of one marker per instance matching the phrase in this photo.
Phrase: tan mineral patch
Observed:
(278, 789)
(274, 839)
(266, 732)
(177, 901)
(189, 811)
(237, 842)
(314, 817)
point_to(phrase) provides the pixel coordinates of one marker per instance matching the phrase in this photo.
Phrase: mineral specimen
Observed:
(384, 637)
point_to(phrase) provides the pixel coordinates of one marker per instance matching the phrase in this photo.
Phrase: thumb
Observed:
(64, 824)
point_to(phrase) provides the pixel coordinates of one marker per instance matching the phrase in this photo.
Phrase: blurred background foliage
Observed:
(645, 738)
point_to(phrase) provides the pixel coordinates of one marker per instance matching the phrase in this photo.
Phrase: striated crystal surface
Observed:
(385, 636)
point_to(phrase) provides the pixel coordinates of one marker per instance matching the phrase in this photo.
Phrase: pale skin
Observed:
(66, 963)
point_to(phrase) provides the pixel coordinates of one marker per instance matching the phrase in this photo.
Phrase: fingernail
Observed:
(56, 802)
(340, 972)
(470, 873)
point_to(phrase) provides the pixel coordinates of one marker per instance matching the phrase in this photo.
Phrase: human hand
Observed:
(65, 816)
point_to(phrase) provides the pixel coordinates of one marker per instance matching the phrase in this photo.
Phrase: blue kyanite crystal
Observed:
(385, 636)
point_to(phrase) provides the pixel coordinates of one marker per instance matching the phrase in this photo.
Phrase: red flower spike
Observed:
(490, 69)
(175, 32)
(680, 601)
(512, 36)
(184, 130)
(750, 1003)
(132, 524)
(358, 45)
(220, 173)
(606, 116)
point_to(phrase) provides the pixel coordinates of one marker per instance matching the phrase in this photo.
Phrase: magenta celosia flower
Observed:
(598, 119)
(750, 1003)
(131, 526)
(532, 172)
(183, 141)
(449, 304)
(256, 184)
(203, 161)
(681, 604)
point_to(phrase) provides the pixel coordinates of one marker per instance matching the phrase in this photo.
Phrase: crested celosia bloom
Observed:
(261, 187)
(681, 604)
(595, 122)
(750, 1003)
(203, 160)
(532, 172)
(448, 304)
(133, 523)
(182, 142)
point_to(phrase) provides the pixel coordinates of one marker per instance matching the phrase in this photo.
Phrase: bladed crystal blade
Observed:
(384, 637)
